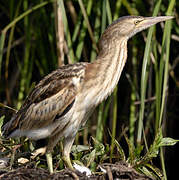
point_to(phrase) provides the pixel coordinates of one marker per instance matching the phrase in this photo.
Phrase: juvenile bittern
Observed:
(63, 100)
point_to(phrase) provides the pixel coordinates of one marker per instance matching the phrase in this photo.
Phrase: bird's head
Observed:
(128, 26)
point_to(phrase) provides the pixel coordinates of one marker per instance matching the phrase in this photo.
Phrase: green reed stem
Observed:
(117, 6)
(114, 122)
(144, 76)
(24, 70)
(165, 45)
(99, 130)
(108, 11)
(96, 31)
(83, 29)
(2, 40)
(132, 117)
(85, 15)
(67, 32)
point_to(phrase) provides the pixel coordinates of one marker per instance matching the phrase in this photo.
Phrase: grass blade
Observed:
(144, 76)
(2, 40)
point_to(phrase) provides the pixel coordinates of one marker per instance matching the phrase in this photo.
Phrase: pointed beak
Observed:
(149, 21)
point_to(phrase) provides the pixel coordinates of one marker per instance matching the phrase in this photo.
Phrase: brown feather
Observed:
(49, 99)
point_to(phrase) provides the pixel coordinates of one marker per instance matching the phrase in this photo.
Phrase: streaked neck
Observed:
(103, 74)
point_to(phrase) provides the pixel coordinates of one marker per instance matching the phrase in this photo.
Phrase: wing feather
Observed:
(50, 98)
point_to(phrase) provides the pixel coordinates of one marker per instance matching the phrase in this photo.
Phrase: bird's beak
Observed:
(149, 21)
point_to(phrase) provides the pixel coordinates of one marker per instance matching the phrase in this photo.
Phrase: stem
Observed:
(145, 75)
(114, 122)
(2, 40)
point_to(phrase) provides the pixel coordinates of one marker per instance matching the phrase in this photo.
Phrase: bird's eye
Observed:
(137, 22)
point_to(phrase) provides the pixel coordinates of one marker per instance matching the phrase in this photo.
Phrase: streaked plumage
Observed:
(62, 102)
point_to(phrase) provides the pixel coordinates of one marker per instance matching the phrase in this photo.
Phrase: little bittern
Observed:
(63, 100)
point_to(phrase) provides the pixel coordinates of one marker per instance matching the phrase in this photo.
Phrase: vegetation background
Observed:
(38, 36)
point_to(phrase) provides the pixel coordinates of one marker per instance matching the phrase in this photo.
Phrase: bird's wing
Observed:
(51, 98)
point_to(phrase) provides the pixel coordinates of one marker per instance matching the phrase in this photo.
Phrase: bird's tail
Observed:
(10, 126)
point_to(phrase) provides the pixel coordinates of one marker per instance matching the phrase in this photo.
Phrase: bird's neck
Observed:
(103, 74)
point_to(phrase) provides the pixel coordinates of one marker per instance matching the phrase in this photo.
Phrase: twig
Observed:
(147, 100)
(59, 33)
(8, 107)
(109, 173)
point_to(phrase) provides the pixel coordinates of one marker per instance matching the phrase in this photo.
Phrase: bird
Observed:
(60, 104)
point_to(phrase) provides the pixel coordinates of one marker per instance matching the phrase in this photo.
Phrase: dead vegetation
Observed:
(119, 170)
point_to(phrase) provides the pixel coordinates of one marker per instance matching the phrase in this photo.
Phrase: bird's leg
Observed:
(49, 162)
(68, 142)
(51, 143)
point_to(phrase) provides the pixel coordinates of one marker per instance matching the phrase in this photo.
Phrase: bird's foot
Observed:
(38, 152)
(68, 163)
